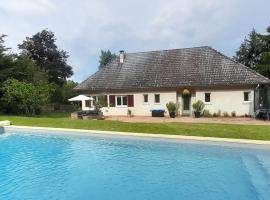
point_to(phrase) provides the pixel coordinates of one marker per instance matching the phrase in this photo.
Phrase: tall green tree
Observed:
(250, 50)
(254, 52)
(105, 57)
(64, 92)
(42, 48)
(3, 48)
(263, 67)
(20, 67)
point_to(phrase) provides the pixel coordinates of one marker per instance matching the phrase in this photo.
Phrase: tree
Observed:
(24, 98)
(105, 58)
(263, 65)
(42, 49)
(254, 52)
(64, 92)
(250, 50)
(20, 67)
(2, 46)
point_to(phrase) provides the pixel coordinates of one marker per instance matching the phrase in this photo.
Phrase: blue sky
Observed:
(84, 27)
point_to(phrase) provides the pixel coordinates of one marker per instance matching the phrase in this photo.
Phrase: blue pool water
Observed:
(54, 166)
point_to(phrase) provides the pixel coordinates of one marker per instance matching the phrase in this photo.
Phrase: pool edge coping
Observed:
(149, 135)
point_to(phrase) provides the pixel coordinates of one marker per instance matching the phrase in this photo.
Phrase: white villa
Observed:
(145, 81)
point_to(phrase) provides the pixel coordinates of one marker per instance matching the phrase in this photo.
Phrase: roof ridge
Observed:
(197, 47)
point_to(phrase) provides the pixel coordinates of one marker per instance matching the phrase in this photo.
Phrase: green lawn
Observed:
(60, 120)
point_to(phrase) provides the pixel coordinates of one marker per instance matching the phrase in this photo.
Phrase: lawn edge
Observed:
(149, 135)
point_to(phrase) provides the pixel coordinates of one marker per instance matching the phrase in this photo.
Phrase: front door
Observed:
(186, 105)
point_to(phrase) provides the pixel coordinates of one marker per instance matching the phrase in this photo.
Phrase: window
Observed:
(157, 98)
(145, 98)
(124, 100)
(87, 103)
(121, 100)
(246, 96)
(207, 97)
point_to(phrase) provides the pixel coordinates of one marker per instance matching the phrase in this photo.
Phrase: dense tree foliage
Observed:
(105, 58)
(2, 46)
(42, 48)
(64, 92)
(254, 52)
(24, 98)
(20, 67)
(34, 77)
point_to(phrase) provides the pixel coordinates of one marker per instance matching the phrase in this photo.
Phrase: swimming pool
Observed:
(45, 165)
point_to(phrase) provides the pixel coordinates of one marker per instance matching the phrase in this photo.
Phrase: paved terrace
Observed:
(218, 120)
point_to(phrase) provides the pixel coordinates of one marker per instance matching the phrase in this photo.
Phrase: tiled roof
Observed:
(198, 66)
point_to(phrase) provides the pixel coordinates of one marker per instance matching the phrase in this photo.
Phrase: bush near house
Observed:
(172, 108)
(226, 114)
(198, 107)
(207, 113)
(233, 114)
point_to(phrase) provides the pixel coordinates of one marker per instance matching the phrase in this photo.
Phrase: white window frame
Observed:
(249, 96)
(147, 98)
(121, 106)
(155, 99)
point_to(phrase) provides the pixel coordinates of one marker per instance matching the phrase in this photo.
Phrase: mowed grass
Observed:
(61, 120)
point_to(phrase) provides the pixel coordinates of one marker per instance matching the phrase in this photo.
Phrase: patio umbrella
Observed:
(81, 98)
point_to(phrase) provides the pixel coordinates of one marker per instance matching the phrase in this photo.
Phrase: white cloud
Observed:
(27, 7)
(84, 27)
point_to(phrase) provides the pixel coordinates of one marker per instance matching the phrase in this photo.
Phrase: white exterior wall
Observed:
(140, 108)
(225, 100)
(228, 101)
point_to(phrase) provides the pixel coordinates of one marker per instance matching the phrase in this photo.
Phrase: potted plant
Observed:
(198, 107)
(172, 108)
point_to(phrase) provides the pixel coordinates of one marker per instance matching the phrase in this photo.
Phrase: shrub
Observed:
(129, 112)
(207, 113)
(198, 106)
(171, 106)
(233, 114)
(217, 114)
(226, 114)
(19, 97)
(98, 106)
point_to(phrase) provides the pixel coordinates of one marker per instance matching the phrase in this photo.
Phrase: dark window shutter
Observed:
(112, 100)
(130, 100)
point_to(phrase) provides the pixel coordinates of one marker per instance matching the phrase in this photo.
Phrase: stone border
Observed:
(149, 135)
(4, 123)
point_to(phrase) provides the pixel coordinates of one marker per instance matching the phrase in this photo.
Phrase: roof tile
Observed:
(198, 66)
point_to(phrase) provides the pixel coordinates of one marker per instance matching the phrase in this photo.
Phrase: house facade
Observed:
(145, 81)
